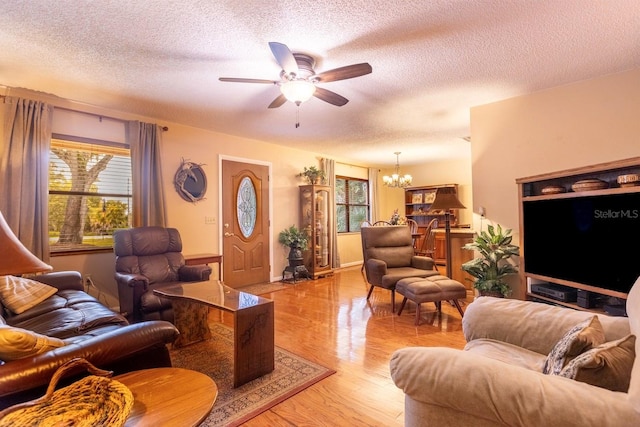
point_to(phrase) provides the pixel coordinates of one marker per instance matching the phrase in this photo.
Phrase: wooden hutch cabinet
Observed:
(417, 201)
(317, 219)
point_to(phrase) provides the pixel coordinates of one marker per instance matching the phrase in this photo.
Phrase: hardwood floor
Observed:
(330, 322)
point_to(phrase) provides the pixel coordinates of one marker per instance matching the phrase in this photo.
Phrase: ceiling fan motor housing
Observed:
(305, 66)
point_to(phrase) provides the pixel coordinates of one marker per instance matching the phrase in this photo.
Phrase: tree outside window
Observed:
(352, 203)
(89, 193)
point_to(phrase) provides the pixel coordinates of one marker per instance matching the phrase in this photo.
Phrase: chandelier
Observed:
(396, 180)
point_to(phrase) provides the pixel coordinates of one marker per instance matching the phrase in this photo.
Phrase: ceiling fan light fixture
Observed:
(298, 91)
(397, 180)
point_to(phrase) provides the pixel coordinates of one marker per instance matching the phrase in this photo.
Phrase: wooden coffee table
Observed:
(169, 396)
(253, 342)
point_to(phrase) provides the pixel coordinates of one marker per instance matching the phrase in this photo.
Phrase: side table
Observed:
(169, 396)
(205, 259)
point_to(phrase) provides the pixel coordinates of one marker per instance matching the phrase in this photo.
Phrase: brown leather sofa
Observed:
(148, 258)
(389, 257)
(89, 330)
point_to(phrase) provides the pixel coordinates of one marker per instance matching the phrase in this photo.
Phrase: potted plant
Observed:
(297, 240)
(396, 219)
(312, 174)
(490, 269)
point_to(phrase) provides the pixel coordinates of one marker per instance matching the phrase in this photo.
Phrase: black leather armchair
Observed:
(148, 258)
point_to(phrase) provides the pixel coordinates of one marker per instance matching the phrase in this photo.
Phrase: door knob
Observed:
(227, 234)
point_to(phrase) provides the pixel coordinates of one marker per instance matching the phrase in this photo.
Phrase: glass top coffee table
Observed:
(253, 320)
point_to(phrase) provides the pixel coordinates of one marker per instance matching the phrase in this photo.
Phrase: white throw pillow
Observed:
(19, 294)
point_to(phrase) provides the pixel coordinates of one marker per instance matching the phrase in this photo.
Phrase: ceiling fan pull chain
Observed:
(297, 116)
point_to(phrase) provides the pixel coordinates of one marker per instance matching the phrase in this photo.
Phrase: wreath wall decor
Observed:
(190, 181)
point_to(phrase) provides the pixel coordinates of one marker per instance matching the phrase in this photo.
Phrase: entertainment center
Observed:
(580, 231)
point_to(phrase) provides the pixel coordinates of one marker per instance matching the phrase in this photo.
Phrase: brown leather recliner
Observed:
(148, 258)
(389, 256)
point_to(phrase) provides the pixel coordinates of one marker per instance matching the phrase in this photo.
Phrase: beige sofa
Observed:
(497, 379)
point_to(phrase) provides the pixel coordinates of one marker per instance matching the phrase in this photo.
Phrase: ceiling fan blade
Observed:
(240, 80)
(330, 97)
(284, 57)
(278, 101)
(343, 73)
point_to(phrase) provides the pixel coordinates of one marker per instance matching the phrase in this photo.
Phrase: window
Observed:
(89, 193)
(352, 203)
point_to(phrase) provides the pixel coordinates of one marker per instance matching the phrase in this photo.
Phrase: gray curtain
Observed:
(329, 167)
(373, 195)
(25, 169)
(144, 140)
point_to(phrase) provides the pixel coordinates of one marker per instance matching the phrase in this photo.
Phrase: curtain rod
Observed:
(343, 163)
(100, 116)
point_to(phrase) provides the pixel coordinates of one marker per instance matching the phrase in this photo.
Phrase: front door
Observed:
(245, 223)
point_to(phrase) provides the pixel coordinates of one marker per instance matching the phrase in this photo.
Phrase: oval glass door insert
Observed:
(246, 207)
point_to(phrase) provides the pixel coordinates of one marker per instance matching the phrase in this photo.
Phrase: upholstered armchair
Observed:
(388, 255)
(499, 378)
(148, 258)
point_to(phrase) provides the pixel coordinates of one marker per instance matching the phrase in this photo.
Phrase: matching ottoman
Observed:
(430, 289)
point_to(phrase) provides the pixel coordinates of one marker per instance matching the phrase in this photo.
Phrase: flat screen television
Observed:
(592, 240)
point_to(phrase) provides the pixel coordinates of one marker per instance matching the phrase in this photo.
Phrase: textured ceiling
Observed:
(432, 61)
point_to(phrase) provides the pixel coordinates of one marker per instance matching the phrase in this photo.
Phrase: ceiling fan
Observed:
(298, 79)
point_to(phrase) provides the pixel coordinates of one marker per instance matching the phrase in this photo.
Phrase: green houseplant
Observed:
(490, 269)
(297, 241)
(293, 237)
(312, 174)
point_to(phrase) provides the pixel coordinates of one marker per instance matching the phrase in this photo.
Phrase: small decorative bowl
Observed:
(553, 189)
(628, 180)
(589, 185)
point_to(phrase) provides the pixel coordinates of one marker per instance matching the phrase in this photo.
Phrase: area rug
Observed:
(233, 407)
(263, 288)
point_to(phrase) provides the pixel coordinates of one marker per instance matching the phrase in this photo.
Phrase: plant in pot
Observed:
(490, 269)
(297, 240)
(312, 174)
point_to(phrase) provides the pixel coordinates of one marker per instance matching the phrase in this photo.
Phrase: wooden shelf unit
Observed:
(317, 219)
(530, 190)
(418, 201)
